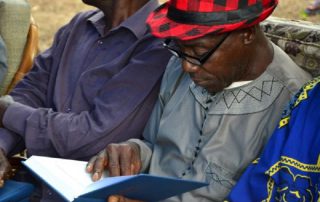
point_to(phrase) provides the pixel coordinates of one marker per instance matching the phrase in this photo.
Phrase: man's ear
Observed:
(248, 35)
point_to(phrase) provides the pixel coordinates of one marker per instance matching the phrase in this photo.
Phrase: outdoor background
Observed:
(52, 14)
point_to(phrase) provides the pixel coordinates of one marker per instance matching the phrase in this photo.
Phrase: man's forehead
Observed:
(202, 41)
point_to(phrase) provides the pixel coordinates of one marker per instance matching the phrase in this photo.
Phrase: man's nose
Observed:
(189, 67)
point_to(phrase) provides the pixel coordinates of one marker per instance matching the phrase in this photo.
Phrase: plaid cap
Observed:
(191, 19)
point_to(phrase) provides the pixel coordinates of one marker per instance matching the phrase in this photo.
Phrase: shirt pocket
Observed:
(220, 179)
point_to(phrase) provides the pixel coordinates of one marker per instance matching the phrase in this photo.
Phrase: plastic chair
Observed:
(20, 35)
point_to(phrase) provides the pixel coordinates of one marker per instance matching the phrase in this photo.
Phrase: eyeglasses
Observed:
(191, 59)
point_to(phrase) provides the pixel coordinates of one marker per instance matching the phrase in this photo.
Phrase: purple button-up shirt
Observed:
(92, 87)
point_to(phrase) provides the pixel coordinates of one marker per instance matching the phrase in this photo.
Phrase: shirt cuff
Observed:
(16, 116)
(145, 153)
(8, 140)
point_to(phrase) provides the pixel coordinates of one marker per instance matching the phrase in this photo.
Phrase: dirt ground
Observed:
(50, 15)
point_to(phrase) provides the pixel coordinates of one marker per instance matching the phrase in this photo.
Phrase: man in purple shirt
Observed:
(96, 85)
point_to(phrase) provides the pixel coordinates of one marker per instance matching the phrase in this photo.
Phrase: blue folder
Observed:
(143, 187)
(15, 191)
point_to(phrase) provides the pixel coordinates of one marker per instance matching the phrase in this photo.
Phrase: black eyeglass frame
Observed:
(191, 59)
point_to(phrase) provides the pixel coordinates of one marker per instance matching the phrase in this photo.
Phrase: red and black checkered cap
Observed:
(191, 19)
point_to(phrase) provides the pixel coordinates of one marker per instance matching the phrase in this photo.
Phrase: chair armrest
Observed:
(14, 26)
(31, 49)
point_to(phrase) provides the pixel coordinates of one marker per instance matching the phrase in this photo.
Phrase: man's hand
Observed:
(5, 168)
(118, 159)
(5, 101)
(117, 198)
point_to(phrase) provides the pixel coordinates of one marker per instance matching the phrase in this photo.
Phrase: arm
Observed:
(127, 158)
(132, 156)
(77, 135)
(149, 134)
(32, 90)
(34, 95)
(169, 83)
(5, 166)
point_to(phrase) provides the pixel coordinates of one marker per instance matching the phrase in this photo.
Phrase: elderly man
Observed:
(220, 98)
(96, 85)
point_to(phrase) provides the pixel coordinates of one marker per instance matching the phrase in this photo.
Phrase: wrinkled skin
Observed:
(118, 159)
(238, 58)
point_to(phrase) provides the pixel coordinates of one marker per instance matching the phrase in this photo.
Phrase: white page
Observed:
(68, 177)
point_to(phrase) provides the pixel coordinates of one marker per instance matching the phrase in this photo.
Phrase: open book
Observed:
(69, 179)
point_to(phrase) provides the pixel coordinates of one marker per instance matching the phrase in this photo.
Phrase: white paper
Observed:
(68, 177)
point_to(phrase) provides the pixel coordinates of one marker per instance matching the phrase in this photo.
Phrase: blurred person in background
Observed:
(313, 8)
(96, 85)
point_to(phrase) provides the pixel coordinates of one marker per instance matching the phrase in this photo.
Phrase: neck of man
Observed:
(261, 57)
(118, 11)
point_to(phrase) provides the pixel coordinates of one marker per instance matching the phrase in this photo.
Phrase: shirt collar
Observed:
(238, 84)
(133, 23)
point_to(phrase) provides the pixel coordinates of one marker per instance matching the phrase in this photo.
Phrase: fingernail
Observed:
(113, 199)
(95, 176)
(89, 167)
(132, 170)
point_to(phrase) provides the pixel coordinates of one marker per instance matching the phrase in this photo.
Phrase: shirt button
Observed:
(68, 110)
